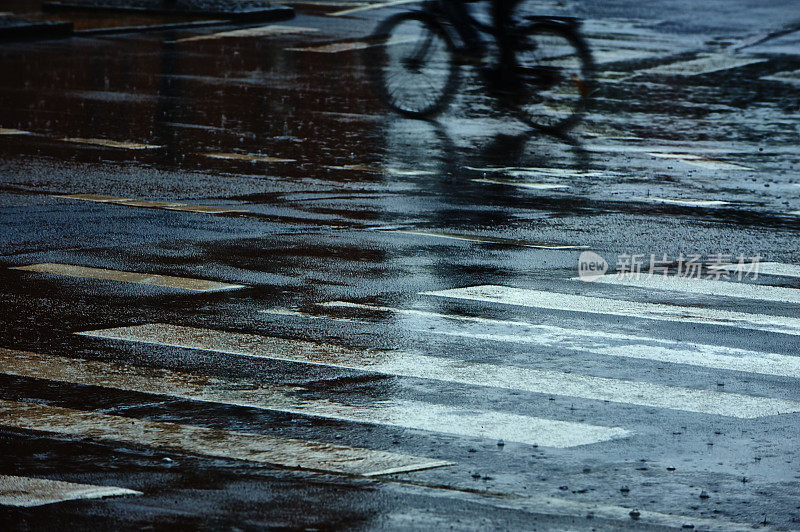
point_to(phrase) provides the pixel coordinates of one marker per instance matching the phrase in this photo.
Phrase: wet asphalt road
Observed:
(346, 238)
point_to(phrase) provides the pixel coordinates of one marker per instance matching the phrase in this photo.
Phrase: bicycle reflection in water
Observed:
(415, 65)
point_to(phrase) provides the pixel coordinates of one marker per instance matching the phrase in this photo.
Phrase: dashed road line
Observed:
(27, 492)
(298, 454)
(124, 145)
(453, 370)
(150, 204)
(597, 342)
(522, 184)
(371, 6)
(524, 297)
(705, 64)
(394, 413)
(260, 31)
(247, 157)
(167, 281)
(349, 46)
(708, 287)
(10, 131)
(701, 161)
(687, 202)
(489, 239)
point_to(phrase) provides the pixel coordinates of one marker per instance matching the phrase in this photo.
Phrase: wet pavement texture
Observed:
(227, 241)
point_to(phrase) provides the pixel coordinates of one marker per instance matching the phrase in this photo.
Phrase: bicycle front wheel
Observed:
(410, 60)
(558, 73)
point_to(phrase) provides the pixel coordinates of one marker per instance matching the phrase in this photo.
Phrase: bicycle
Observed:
(414, 66)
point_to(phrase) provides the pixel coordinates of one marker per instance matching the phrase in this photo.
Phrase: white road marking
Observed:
(539, 172)
(552, 506)
(523, 184)
(299, 454)
(599, 342)
(26, 492)
(703, 65)
(689, 202)
(111, 143)
(453, 370)
(150, 204)
(766, 268)
(9, 131)
(338, 47)
(597, 305)
(371, 6)
(380, 170)
(699, 160)
(168, 281)
(247, 157)
(261, 31)
(704, 286)
(791, 77)
(490, 239)
(394, 413)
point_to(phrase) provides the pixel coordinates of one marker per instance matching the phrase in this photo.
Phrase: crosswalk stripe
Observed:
(703, 65)
(522, 184)
(396, 413)
(703, 286)
(524, 297)
(26, 491)
(689, 202)
(489, 239)
(111, 143)
(604, 343)
(150, 204)
(451, 370)
(260, 31)
(246, 157)
(778, 269)
(299, 454)
(699, 160)
(168, 281)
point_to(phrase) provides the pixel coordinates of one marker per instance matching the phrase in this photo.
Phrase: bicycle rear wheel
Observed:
(411, 65)
(558, 73)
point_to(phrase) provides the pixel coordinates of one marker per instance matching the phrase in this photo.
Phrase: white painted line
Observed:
(688, 202)
(380, 170)
(9, 131)
(111, 143)
(552, 506)
(338, 47)
(26, 492)
(299, 454)
(247, 157)
(704, 286)
(394, 413)
(766, 268)
(454, 370)
(371, 6)
(168, 281)
(522, 184)
(791, 77)
(150, 204)
(699, 160)
(612, 307)
(261, 31)
(598, 342)
(703, 65)
(489, 239)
